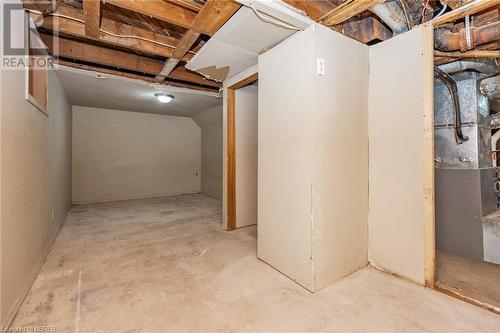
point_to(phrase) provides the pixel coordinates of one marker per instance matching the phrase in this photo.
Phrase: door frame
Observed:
(231, 147)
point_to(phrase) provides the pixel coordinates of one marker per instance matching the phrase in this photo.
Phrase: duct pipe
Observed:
(392, 15)
(460, 66)
(446, 40)
(490, 87)
(494, 140)
(452, 88)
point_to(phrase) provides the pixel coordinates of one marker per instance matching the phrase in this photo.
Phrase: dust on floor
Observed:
(158, 265)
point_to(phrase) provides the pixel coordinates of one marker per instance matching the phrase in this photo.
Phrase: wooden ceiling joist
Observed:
(92, 17)
(213, 15)
(188, 4)
(347, 10)
(468, 9)
(71, 49)
(210, 18)
(127, 75)
(145, 41)
(159, 9)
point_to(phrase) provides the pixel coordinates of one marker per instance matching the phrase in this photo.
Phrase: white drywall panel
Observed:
(246, 100)
(125, 155)
(340, 184)
(36, 178)
(210, 122)
(400, 146)
(285, 152)
(236, 46)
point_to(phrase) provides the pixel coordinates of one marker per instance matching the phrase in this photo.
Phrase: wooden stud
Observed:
(92, 17)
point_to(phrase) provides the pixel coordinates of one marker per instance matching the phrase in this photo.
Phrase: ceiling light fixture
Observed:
(164, 98)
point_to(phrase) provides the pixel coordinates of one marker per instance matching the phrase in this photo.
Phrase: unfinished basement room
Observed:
(250, 166)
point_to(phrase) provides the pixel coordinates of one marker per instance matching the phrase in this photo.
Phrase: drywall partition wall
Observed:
(210, 122)
(126, 155)
(246, 115)
(36, 183)
(340, 183)
(313, 157)
(228, 83)
(401, 214)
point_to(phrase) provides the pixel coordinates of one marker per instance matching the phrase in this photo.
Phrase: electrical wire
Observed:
(445, 6)
(273, 21)
(408, 21)
(101, 30)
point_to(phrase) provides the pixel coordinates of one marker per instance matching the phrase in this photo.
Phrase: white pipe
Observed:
(494, 138)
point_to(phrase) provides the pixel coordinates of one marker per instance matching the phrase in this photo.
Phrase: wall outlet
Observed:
(320, 66)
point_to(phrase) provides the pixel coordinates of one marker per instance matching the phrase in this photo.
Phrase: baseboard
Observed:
(17, 304)
(134, 198)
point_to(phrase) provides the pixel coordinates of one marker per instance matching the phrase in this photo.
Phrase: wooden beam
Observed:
(144, 41)
(168, 67)
(347, 10)
(314, 8)
(132, 76)
(213, 15)
(118, 59)
(468, 9)
(180, 51)
(210, 18)
(188, 4)
(158, 9)
(92, 17)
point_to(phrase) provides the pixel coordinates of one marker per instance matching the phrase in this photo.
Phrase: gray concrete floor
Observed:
(161, 265)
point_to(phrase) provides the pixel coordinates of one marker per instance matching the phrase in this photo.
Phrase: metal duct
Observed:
(490, 87)
(392, 15)
(486, 67)
(450, 83)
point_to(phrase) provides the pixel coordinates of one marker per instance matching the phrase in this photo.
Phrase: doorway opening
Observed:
(467, 184)
(242, 106)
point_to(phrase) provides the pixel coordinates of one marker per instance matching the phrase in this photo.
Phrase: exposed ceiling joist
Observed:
(159, 9)
(210, 18)
(188, 4)
(118, 59)
(148, 79)
(145, 41)
(213, 15)
(468, 9)
(92, 17)
(347, 10)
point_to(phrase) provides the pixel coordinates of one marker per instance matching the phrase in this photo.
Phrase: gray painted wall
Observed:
(36, 183)
(210, 122)
(127, 155)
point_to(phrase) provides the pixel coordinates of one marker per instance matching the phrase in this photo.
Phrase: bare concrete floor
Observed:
(161, 265)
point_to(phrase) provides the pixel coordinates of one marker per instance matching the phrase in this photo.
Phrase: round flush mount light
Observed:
(164, 98)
